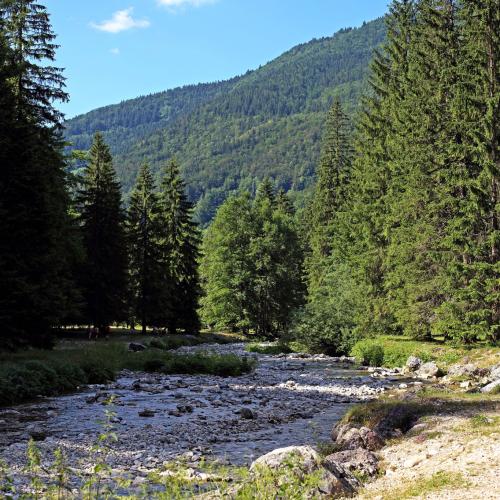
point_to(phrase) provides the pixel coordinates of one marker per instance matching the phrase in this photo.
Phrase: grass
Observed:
(427, 402)
(28, 374)
(393, 351)
(421, 487)
(270, 349)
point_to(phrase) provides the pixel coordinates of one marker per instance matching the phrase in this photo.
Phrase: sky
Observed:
(119, 49)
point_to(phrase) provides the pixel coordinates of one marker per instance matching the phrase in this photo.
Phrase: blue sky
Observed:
(118, 49)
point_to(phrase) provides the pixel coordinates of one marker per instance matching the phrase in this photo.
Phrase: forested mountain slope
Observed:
(228, 134)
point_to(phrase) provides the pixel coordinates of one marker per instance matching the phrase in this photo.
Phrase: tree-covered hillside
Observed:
(229, 134)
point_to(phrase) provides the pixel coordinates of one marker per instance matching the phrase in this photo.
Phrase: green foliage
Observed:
(37, 242)
(147, 270)
(252, 266)
(270, 349)
(179, 242)
(228, 135)
(369, 353)
(328, 321)
(36, 373)
(396, 350)
(104, 273)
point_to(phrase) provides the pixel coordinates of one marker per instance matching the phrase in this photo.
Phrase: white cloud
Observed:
(121, 20)
(115, 51)
(173, 4)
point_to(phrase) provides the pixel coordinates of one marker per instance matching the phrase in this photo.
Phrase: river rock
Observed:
(371, 440)
(339, 482)
(358, 460)
(468, 370)
(300, 460)
(413, 364)
(492, 387)
(494, 373)
(146, 413)
(247, 413)
(428, 370)
(306, 457)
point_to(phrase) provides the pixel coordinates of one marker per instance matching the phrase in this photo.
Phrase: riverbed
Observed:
(288, 400)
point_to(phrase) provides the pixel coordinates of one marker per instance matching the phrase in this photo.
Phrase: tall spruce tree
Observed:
(472, 308)
(180, 243)
(371, 175)
(145, 257)
(422, 170)
(332, 180)
(36, 248)
(104, 273)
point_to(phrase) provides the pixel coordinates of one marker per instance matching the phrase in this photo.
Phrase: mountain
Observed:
(229, 134)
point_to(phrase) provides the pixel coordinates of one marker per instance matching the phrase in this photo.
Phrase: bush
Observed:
(154, 365)
(157, 344)
(273, 349)
(368, 352)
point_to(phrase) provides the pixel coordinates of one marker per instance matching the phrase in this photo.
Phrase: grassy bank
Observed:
(392, 351)
(25, 375)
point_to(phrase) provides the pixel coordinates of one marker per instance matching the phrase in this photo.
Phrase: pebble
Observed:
(289, 399)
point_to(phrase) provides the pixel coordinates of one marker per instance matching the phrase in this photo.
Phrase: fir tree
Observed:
(26, 25)
(330, 191)
(143, 235)
(36, 232)
(104, 276)
(180, 252)
(283, 202)
(265, 190)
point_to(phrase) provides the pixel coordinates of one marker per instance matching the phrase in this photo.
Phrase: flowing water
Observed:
(287, 400)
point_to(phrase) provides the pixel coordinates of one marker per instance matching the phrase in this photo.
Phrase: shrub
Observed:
(97, 373)
(368, 352)
(273, 349)
(154, 365)
(157, 344)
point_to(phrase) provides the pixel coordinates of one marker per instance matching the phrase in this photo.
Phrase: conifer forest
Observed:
(198, 285)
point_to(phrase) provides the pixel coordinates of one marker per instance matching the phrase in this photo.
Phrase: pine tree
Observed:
(36, 232)
(371, 174)
(143, 237)
(472, 309)
(104, 274)
(265, 190)
(330, 191)
(422, 168)
(180, 243)
(26, 25)
(283, 202)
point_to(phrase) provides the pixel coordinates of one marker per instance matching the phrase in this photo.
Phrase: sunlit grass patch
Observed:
(442, 480)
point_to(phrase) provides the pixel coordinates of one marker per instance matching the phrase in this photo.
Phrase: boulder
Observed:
(494, 373)
(428, 370)
(351, 438)
(339, 482)
(468, 370)
(371, 440)
(300, 460)
(305, 457)
(413, 364)
(135, 347)
(355, 461)
(492, 387)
